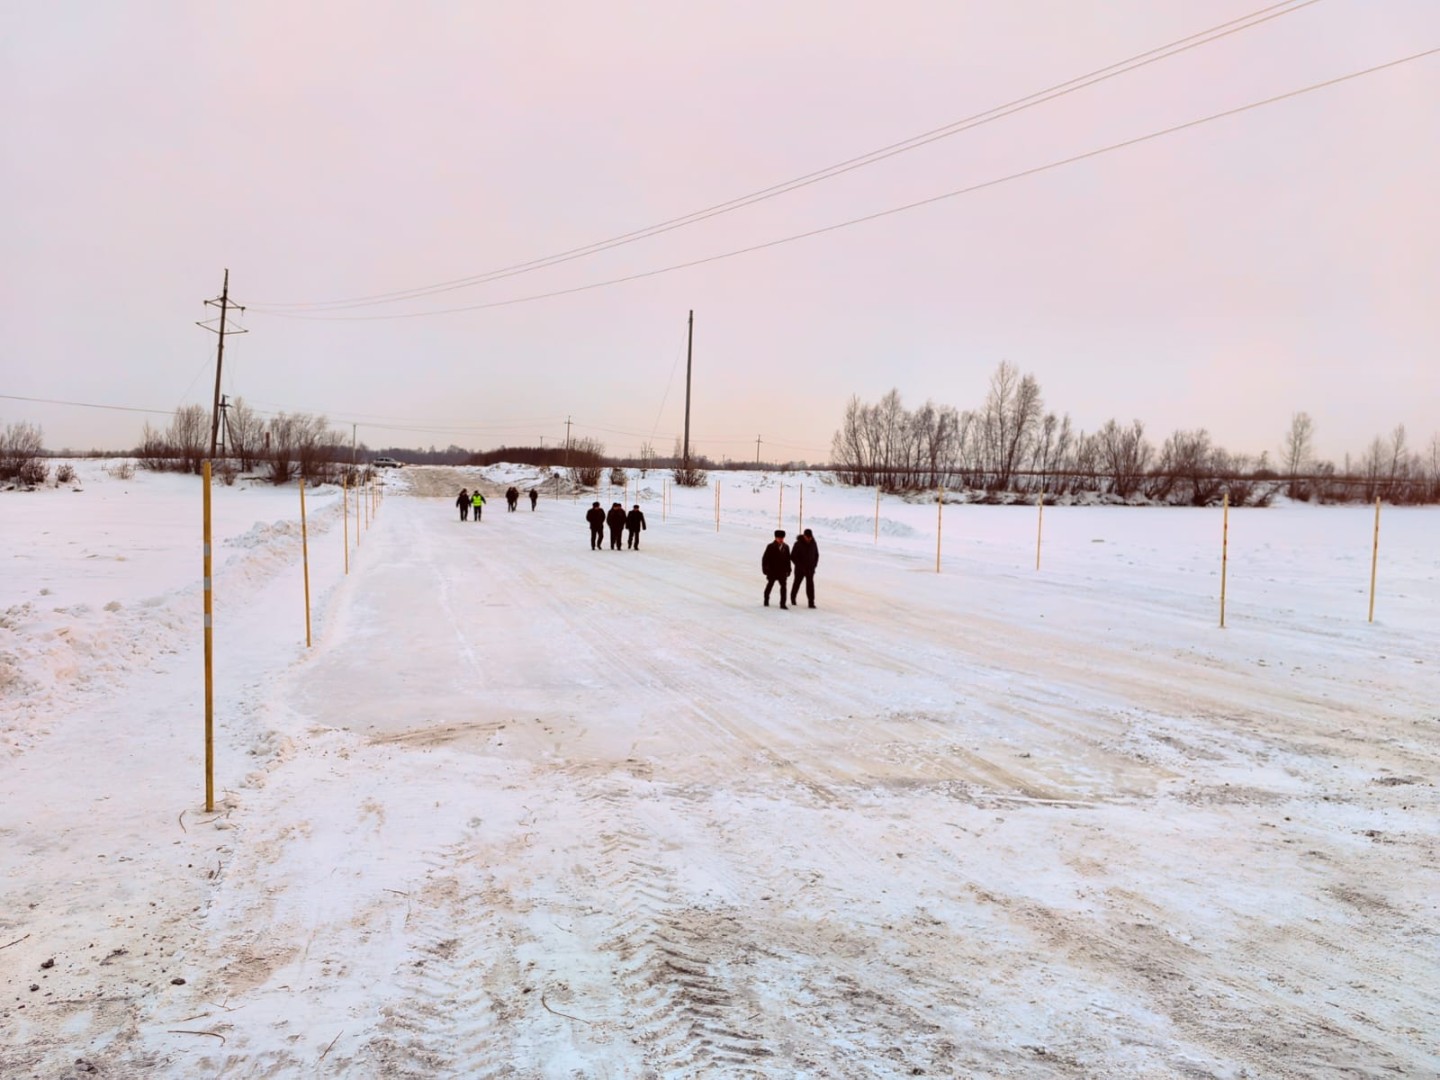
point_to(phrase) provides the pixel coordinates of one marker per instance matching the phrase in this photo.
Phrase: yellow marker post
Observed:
(1374, 559)
(1224, 554)
(305, 559)
(345, 501)
(209, 652)
(939, 522)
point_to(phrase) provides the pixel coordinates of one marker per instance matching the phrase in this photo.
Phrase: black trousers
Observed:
(615, 544)
(633, 538)
(770, 583)
(465, 512)
(597, 538)
(808, 577)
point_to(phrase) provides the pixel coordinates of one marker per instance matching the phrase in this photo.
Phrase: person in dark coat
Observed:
(804, 557)
(512, 498)
(596, 517)
(463, 501)
(534, 498)
(616, 520)
(634, 522)
(776, 564)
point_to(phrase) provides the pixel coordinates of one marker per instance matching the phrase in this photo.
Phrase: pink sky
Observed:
(1223, 277)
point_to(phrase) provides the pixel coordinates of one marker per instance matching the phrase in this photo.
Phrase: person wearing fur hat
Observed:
(634, 522)
(776, 565)
(616, 520)
(596, 517)
(804, 557)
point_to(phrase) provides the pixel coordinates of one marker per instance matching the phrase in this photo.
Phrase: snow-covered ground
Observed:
(529, 810)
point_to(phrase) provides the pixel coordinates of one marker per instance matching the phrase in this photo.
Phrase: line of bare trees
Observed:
(1012, 445)
(283, 447)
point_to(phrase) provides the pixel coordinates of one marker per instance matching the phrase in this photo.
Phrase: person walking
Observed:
(596, 517)
(534, 498)
(463, 502)
(512, 497)
(804, 557)
(634, 522)
(477, 503)
(616, 520)
(776, 565)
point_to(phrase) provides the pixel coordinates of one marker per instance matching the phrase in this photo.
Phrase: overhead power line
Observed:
(969, 190)
(998, 112)
(86, 404)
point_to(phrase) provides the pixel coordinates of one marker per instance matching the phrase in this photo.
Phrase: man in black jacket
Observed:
(776, 564)
(634, 522)
(616, 520)
(805, 557)
(596, 517)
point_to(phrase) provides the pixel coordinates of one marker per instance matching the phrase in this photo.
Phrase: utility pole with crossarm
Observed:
(223, 303)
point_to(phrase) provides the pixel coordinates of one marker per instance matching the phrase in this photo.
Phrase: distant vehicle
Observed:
(387, 463)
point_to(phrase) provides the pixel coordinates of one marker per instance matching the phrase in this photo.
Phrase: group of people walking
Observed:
(778, 563)
(512, 497)
(473, 502)
(780, 559)
(619, 522)
(468, 501)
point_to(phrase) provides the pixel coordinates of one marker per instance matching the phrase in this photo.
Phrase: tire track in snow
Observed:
(1277, 1033)
(444, 1021)
(688, 1015)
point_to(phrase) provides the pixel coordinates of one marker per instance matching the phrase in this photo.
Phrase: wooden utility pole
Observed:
(223, 303)
(757, 451)
(689, 349)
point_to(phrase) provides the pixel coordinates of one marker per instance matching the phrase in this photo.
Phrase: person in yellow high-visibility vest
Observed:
(477, 503)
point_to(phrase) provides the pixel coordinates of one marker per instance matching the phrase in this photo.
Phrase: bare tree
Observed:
(21, 445)
(189, 437)
(1123, 456)
(587, 461)
(1431, 465)
(1052, 448)
(153, 451)
(1007, 424)
(1295, 453)
(687, 473)
(246, 432)
(1085, 463)
(936, 438)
